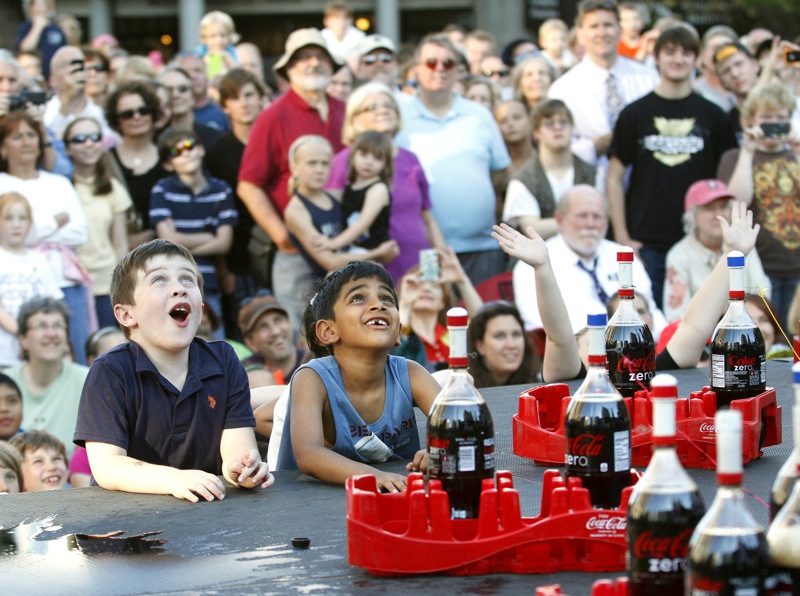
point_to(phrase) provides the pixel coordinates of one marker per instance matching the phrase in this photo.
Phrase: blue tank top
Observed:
(328, 222)
(396, 428)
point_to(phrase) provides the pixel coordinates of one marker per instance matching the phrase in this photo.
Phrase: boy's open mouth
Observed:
(378, 323)
(180, 312)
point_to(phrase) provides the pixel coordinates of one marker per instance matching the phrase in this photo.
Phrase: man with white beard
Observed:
(584, 263)
(305, 109)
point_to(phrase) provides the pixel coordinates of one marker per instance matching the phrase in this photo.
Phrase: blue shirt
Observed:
(396, 428)
(126, 402)
(211, 208)
(212, 116)
(458, 153)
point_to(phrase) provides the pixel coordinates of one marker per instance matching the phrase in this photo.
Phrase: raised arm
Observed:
(708, 304)
(561, 357)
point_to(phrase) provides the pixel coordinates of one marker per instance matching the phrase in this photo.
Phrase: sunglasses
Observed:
(182, 147)
(504, 72)
(128, 114)
(178, 88)
(97, 67)
(95, 137)
(447, 63)
(373, 58)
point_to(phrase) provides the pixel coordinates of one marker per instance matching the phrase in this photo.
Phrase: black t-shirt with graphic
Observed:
(670, 144)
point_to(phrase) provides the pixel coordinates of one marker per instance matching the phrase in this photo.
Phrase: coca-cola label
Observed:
(734, 372)
(702, 585)
(598, 452)
(606, 525)
(631, 355)
(649, 545)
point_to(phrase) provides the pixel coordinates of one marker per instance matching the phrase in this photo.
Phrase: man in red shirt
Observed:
(264, 174)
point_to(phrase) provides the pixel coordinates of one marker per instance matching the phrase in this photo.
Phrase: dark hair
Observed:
(31, 440)
(547, 109)
(124, 278)
(767, 308)
(680, 36)
(40, 304)
(169, 138)
(93, 343)
(320, 307)
(528, 370)
(142, 89)
(9, 124)
(102, 169)
(231, 84)
(376, 144)
(6, 381)
(588, 6)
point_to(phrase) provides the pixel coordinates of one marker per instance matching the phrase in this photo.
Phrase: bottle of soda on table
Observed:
(460, 429)
(598, 428)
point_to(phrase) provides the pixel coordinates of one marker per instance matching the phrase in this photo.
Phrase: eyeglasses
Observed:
(373, 58)
(42, 327)
(446, 64)
(552, 123)
(94, 137)
(410, 83)
(182, 147)
(503, 72)
(129, 114)
(374, 107)
(178, 88)
(100, 67)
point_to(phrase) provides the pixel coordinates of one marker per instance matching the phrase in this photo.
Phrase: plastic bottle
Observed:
(787, 475)
(460, 429)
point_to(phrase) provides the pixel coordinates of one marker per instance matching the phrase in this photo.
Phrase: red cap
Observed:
(704, 192)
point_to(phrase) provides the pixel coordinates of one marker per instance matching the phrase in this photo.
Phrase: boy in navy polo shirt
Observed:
(193, 209)
(158, 413)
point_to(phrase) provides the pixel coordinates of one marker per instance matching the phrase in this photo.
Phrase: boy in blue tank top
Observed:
(354, 404)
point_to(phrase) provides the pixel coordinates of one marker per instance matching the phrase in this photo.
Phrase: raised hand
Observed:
(740, 234)
(530, 249)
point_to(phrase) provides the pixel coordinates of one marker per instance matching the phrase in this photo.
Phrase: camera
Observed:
(20, 100)
(775, 130)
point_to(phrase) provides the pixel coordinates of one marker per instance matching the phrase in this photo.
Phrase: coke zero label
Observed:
(649, 546)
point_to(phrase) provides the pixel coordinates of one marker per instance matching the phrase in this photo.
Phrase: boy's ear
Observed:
(326, 332)
(124, 316)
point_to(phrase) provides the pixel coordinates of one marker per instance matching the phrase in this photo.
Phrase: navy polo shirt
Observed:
(126, 402)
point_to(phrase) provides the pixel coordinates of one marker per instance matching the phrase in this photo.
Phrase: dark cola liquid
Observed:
(659, 529)
(631, 355)
(738, 364)
(598, 432)
(461, 452)
(728, 562)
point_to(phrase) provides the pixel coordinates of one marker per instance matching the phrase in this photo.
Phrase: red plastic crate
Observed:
(539, 426)
(411, 532)
(608, 587)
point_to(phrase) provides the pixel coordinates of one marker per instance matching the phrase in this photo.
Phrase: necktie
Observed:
(614, 101)
(601, 294)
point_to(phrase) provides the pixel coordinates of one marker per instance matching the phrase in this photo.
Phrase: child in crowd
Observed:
(219, 37)
(366, 199)
(24, 274)
(158, 413)
(553, 39)
(345, 405)
(10, 407)
(631, 23)
(10, 472)
(44, 460)
(106, 202)
(312, 212)
(193, 209)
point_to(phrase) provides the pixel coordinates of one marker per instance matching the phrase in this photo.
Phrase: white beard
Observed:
(313, 82)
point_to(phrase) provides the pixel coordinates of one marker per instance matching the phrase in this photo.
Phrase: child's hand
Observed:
(250, 471)
(390, 483)
(320, 242)
(420, 462)
(387, 251)
(193, 484)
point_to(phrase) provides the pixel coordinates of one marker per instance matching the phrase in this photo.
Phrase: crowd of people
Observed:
(168, 222)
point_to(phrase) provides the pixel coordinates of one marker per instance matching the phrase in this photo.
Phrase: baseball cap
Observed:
(374, 42)
(252, 309)
(704, 192)
(728, 49)
(296, 41)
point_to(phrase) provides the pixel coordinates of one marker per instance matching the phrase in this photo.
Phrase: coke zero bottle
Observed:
(728, 550)
(784, 533)
(787, 475)
(460, 429)
(598, 428)
(665, 506)
(630, 347)
(738, 355)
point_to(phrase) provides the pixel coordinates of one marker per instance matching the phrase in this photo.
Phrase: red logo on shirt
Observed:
(212, 402)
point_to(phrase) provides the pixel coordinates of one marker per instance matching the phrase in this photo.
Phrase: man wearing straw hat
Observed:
(264, 174)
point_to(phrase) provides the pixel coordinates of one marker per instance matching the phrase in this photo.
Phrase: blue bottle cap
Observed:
(796, 373)
(735, 259)
(596, 320)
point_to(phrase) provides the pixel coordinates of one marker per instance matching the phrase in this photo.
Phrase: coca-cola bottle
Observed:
(787, 475)
(738, 354)
(630, 347)
(728, 551)
(665, 506)
(460, 429)
(598, 428)
(784, 533)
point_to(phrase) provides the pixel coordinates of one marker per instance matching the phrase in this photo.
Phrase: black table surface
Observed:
(242, 544)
